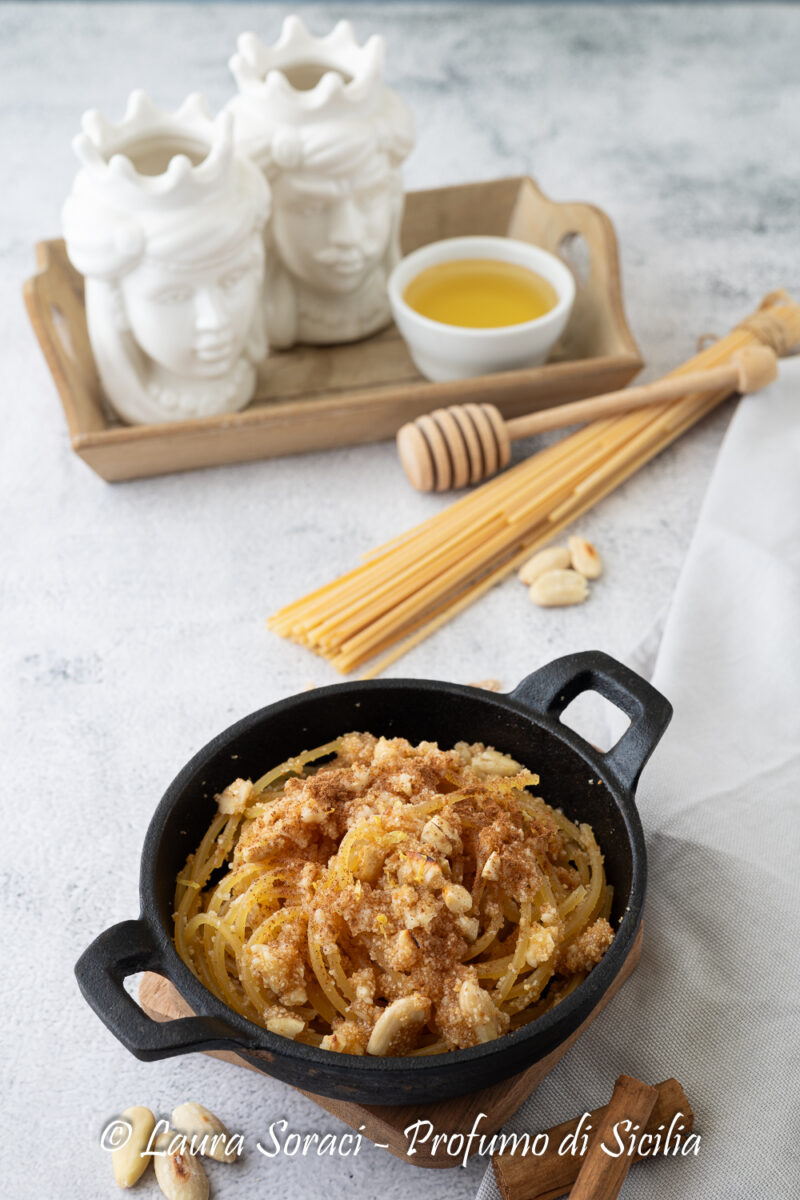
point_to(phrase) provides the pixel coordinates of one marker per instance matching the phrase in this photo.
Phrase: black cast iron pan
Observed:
(525, 724)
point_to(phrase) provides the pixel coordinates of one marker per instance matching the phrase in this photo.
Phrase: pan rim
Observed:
(549, 1028)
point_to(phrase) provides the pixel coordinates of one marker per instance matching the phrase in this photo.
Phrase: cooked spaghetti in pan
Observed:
(395, 899)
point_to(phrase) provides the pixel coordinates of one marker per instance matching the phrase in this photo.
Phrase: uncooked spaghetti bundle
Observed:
(408, 588)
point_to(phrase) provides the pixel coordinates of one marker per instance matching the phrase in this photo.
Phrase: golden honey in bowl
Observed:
(480, 293)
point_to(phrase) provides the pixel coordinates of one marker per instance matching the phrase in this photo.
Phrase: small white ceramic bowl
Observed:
(443, 352)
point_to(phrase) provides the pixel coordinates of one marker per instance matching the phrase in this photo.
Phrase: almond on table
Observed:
(129, 1161)
(195, 1120)
(557, 589)
(179, 1173)
(584, 558)
(549, 559)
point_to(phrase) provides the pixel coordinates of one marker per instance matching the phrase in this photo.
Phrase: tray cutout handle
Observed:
(54, 298)
(549, 691)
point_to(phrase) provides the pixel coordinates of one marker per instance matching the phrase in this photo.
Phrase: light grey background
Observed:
(132, 615)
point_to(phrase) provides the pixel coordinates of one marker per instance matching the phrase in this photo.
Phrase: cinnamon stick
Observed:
(551, 1175)
(601, 1176)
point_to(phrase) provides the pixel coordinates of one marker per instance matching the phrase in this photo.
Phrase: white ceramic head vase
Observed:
(165, 222)
(316, 116)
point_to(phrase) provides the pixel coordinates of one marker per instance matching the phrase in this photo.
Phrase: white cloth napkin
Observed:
(715, 1000)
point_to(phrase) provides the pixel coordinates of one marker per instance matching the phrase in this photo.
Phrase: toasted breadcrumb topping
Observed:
(409, 866)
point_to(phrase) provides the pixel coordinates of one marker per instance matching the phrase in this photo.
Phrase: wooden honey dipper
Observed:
(466, 443)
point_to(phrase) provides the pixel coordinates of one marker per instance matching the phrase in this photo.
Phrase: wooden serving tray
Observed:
(385, 1125)
(316, 397)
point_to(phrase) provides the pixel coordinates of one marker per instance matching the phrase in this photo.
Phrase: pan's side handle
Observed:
(101, 971)
(549, 691)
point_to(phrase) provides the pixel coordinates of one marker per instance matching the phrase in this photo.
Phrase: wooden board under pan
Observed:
(315, 397)
(385, 1125)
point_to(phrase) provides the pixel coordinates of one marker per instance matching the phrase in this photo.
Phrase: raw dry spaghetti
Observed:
(411, 586)
(397, 899)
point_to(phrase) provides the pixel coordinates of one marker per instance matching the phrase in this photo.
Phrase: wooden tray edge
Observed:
(314, 422)
(344, 403)
(612, 257)
(30, 295)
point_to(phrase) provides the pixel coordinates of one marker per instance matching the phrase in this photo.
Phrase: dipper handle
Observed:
(749, 369)
(466, 443)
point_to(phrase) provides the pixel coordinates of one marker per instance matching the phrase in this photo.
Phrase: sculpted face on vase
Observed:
(316, 116)
(334, 234)
(165, 222)
(332, 231)
(192, 315)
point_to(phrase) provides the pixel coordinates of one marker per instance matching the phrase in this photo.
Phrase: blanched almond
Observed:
(406, 950)
(287, 1027)
(550, 559)
(556, 589)
(236, 797)
(584, 558)
(457, 898)
(492, 762)
(540, 947)
(179, 1174)
(420, 868)
(491, 868)
(397, 1022)
(211, 1138)
(469, 926)
(128, 1161)
(440, 834)
(478, 1007)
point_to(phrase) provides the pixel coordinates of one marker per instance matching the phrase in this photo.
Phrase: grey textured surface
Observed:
(133, 615)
